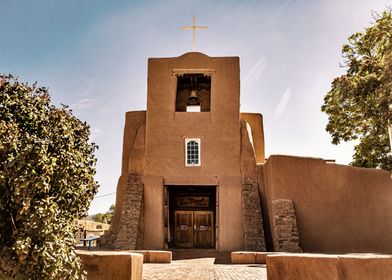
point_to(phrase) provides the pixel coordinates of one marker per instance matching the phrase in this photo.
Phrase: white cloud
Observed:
(255, 72)
(82, 104)
(95, 132)
(284, 100)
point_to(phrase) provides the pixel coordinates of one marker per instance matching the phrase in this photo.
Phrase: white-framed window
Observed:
(192, 152)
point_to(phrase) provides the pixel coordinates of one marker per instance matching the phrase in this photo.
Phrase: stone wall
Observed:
(252, 216)
(130, 234)
(286, 237)
(251, 206)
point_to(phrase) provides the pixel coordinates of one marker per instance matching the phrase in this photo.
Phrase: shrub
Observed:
(46, 183)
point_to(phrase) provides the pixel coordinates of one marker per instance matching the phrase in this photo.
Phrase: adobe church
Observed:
(194, 175)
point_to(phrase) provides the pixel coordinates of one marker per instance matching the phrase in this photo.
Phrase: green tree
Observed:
(358, 102)
(46, 183)
(105, 217)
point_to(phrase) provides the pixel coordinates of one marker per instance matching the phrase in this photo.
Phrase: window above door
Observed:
(192, 152)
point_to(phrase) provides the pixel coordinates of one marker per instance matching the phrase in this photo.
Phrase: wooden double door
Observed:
(194, 229)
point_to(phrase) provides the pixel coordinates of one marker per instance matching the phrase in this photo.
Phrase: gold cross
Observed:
(194, 28)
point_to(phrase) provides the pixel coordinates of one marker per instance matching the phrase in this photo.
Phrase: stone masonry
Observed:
(286, 236)
(253, 223)
(130, 235)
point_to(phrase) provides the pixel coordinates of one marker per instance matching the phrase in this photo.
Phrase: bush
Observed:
(46, 183)
(106, 217)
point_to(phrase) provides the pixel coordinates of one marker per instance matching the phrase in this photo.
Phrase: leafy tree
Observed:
(105, 217)
(46, 183)
(358, 102)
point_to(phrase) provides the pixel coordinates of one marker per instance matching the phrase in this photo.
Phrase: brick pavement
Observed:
(202, 269)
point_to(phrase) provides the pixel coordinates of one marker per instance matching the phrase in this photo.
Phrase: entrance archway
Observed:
(192, 216)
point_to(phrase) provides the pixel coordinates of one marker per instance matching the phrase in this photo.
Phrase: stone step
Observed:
(155, 256)
(249, 257)
(221, 257)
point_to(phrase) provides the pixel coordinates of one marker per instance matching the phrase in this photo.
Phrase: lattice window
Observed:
(192, 152)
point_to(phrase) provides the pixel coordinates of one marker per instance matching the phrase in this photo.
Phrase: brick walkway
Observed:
(202, 269)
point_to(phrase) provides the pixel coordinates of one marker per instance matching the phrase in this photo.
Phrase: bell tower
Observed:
(193, 149)
(193, 96)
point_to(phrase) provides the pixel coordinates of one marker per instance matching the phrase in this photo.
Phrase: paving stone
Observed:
(203, 269)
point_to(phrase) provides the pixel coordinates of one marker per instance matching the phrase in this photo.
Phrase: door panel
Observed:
(194, 229)
(203, 235)
(184, 229)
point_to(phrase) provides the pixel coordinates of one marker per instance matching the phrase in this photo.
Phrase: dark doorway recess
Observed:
(192, 216)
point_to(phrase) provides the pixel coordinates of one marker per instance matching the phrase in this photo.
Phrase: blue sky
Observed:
(93, 56)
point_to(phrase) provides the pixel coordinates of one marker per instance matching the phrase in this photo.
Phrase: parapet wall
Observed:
(339, 209)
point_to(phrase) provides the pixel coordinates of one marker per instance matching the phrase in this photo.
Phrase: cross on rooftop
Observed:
(193, 27)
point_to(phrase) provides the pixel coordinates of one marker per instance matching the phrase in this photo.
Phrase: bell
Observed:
(193, 98)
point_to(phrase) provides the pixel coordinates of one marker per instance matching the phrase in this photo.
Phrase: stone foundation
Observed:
(285, 231)
(253, 221)
(130, 234)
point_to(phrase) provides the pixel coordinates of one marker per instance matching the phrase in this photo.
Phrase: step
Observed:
(155, 256)
(249, 257)
(221, 257)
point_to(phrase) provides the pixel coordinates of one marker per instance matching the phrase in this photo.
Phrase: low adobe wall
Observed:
(155, 256)
(109, 265)
(333, 267)
(339, 209)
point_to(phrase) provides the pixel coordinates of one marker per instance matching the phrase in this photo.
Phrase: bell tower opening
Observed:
(193, 93)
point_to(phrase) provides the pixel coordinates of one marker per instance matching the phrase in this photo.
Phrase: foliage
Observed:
(358, 102)
(105, 217)
(46, 183)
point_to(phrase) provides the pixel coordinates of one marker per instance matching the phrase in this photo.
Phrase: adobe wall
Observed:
(132, 166)
(230, 224)
(133, 120)
(327, 266)
(109, 265)
(338, 208)
(154, 224)
(255, 121)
